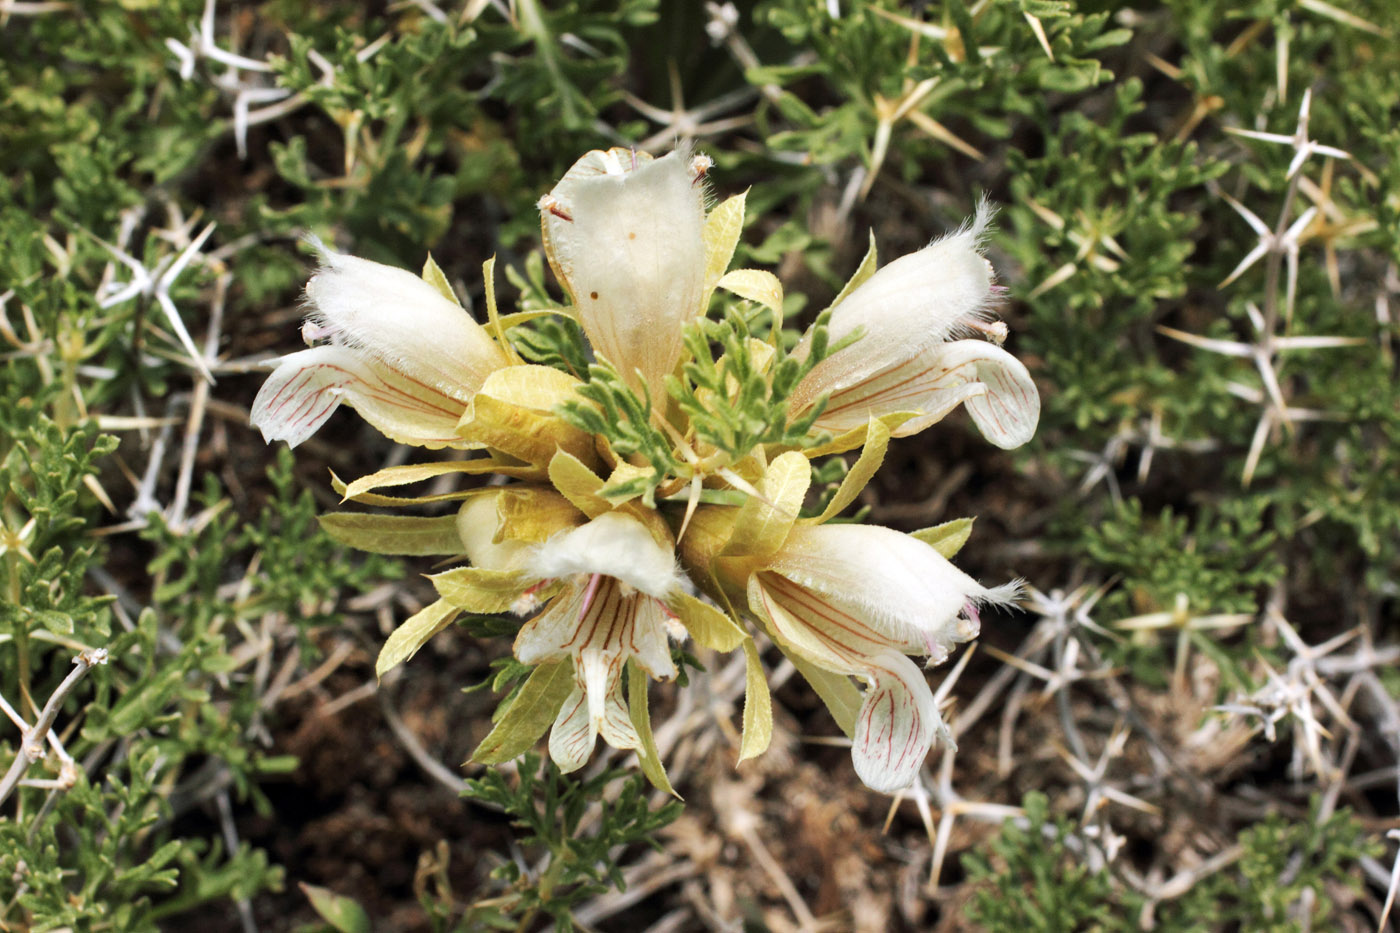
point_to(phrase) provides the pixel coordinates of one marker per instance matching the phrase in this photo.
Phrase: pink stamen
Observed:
(970, 610)
(589, 593)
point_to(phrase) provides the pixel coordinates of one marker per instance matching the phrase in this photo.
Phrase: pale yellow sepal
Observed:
(948, 538)
(647, 755)
(756, 285)
(415, 473)
(529, 715)
(415, 631)
(758, 706)
(763, 523)
(512, 414)
(531, 386)
(434, 276)
(406, 535)
(533, 514)
(710, 627)
(624, 474)
(393, 502)
(877, 440)
(473, 589)
(841, 696)
(850, 440)
(578, 483)
(865, 270)
(721, 234)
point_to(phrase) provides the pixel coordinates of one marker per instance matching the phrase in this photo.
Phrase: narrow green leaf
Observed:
(413, 634)
(758, 706)
(341, 912)
(408, 535)
(647, 755)
(530, 714)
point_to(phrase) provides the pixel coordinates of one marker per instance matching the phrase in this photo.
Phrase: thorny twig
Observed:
(31, 748)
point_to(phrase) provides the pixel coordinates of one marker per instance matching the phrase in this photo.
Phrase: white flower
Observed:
(403, 356)
(904, 362)
(616, 582)
(856, 600)
(623, 233)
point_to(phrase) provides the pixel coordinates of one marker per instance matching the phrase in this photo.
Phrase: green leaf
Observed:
(409, 535)
(647, 755)
(758, 706)
(341, 912)
(947, 538)
(530, 714)
(413, 634)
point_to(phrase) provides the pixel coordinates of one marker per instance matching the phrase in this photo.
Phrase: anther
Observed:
(700, 167)
(551, 204)
(589, 593)
(996, 332)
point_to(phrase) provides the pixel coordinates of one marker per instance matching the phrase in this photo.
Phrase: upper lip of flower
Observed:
(856, 599)
(901, 364)
(400, 353)
(624, 235)
(613, 545)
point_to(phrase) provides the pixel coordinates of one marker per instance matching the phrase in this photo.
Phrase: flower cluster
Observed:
(662, 469)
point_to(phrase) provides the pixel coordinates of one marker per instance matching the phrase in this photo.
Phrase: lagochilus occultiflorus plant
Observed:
(673, 459)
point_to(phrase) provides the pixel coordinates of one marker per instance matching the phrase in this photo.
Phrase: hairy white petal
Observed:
(625, 234)
(921, 383)
(394, 316)
(615, 545)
